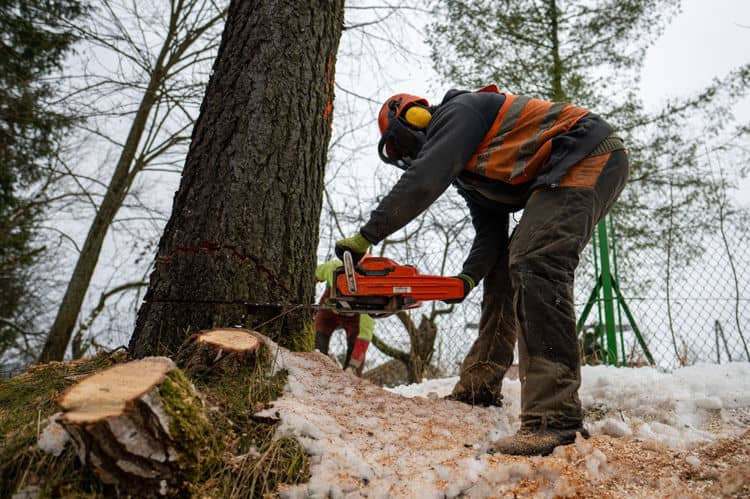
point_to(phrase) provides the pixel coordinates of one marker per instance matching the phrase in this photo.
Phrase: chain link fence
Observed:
(686, 306)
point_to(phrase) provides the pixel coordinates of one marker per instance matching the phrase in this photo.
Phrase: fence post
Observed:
(609, 290)
(623, 360)
(609, 308)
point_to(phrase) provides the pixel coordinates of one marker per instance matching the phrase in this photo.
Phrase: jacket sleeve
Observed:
(454, 133)
(366, 327)
(488, 240)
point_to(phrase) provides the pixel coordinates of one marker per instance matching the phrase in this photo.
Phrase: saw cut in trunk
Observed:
(139, 425)
(218, 352)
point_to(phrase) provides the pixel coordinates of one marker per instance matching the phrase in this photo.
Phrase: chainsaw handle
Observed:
(351, 280)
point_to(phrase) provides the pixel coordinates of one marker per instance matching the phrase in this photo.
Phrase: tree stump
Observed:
(139, 425)
(218, 352)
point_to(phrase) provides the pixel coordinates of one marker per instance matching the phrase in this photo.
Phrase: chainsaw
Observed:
(380, 287)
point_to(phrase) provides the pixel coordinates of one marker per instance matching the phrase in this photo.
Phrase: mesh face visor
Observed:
(400, 143)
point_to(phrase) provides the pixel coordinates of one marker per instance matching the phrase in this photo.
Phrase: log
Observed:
(139, 425)
(215, 353)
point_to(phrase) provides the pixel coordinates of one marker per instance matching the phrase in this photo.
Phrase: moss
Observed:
(304, 340)
(279, 461)
(26, 401)
(226, 451)
(252, 461)
(188, 424)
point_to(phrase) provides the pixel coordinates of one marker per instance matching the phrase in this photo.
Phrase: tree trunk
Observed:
(422, 348)
(556, 71)
(240, 246)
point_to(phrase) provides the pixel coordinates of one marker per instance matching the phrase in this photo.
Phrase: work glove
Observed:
(468, 286)
(324, 272)
(357, 245)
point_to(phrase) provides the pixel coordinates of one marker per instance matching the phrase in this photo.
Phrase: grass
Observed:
(26, 401)
(235, 454)
(254, 462)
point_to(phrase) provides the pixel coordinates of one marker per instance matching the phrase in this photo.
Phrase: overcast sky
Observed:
(708, 39)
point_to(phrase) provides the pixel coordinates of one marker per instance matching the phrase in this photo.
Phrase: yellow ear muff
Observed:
(417, 116)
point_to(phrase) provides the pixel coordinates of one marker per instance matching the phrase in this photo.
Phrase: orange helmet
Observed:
(400, 141)
(395, 107)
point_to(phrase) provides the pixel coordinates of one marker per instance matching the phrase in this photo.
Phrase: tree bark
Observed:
(240, 246)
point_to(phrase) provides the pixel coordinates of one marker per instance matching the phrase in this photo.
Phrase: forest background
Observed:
(114, 52)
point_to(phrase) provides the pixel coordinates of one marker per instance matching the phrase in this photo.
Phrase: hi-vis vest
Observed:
(520, 139)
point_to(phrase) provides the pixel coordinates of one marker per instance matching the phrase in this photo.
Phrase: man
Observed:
(358, 327)
(559, 163)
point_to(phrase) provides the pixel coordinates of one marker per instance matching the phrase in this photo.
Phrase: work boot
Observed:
(535, 442)
(480, 395)
(355, 367)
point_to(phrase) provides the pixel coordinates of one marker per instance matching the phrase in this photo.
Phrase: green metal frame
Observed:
(606, 284)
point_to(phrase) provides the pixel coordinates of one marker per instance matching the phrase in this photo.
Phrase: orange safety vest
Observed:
(520, 139)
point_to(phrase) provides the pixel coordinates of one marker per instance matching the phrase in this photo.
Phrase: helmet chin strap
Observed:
(402, 163)
(382, 152)
(400, 142)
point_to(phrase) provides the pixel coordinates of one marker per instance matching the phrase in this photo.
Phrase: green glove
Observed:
(468, 286)
(357, 245)
(324, 271)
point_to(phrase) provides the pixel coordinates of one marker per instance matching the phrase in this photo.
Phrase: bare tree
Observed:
(159, 122)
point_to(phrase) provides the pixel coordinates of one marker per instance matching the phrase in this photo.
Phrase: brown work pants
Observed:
(528, 295)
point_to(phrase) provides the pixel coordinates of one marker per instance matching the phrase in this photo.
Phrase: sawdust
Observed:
(368, 442)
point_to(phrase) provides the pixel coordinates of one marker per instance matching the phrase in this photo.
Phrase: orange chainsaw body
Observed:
(383, 287)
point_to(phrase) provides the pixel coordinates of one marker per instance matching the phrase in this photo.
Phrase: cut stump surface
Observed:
(236, 340)
(108, 393)
(214, 353)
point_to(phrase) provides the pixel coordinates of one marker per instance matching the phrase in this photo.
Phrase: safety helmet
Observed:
(401, 137)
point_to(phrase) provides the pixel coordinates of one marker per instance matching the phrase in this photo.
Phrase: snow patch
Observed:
(53, 437)
(407, 441)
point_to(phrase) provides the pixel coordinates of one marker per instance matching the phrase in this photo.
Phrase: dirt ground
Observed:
(368, 442)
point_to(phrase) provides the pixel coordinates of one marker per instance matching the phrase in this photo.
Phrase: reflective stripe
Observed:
(519, 142)
(529, 147)
(509, 122)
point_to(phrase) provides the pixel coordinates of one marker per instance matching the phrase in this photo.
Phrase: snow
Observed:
(693, 461)
(366, 441)
(53, 437)
(669, 407)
